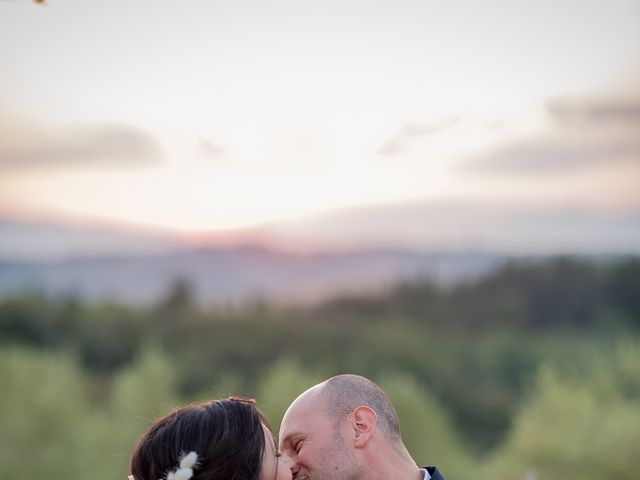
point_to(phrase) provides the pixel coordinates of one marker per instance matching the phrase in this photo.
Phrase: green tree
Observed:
(42, 405)
(578, 426)
(426, 427)
(284, 381)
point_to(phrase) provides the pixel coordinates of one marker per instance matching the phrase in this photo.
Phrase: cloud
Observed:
(587, 134)
(560, 152)
(209, 150)
(624, 111)
(112, 145)
(412, 132)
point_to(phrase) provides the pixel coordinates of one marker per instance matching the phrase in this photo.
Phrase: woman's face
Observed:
(274, 465)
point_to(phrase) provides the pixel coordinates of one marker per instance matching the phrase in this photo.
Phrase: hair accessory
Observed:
(185, 469)
(242, 399)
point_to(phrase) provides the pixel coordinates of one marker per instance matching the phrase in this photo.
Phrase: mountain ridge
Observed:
(223, 275)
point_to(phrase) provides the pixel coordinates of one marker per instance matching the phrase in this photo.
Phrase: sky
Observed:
(302, 118)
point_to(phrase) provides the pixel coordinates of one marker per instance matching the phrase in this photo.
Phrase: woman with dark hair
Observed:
(216, 440)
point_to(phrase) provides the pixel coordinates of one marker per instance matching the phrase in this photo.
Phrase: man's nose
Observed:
(290, 463)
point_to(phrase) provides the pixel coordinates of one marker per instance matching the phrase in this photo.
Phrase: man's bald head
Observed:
(343, 394)
(345, 428)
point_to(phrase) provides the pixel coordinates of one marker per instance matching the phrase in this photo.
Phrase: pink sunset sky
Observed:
(511, 125)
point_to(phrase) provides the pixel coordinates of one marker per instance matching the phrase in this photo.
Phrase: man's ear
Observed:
(364, 424)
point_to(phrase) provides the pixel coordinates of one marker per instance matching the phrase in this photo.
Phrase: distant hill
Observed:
(139, 266)
(47, 241)
(227, 275)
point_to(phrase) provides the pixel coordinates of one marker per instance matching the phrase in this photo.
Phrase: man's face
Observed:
(314, 444)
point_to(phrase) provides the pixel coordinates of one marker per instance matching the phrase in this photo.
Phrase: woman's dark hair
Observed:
(227, 435)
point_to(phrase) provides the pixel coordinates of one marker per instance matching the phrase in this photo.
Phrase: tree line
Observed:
(475, 354)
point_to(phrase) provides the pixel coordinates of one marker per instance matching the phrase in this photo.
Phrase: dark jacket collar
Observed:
(435, 473)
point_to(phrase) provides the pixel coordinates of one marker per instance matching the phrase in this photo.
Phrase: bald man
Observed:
(345, 428)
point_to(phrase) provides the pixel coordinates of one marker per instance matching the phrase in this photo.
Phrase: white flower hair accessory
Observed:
(184, 470)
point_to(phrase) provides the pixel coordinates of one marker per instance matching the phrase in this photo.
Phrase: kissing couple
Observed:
(344, 428)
